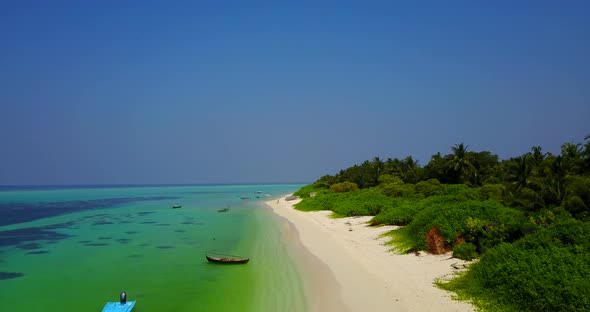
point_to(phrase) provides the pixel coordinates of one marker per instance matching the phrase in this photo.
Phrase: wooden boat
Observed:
(176, 206)
(223, 210)
(227, 260)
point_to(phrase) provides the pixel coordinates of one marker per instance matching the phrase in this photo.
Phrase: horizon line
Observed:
(146, 184)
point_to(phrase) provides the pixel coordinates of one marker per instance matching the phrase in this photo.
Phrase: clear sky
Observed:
(109, 92)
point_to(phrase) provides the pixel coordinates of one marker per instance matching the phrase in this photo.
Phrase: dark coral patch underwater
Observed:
(10, 275)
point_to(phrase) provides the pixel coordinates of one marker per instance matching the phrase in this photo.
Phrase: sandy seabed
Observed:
(363, 275)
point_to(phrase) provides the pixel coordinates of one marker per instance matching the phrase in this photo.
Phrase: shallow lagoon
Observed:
(106, 240)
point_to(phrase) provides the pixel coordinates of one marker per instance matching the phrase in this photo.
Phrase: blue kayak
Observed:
(118, 307)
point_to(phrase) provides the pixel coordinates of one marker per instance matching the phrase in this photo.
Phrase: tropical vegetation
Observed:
(525, 219)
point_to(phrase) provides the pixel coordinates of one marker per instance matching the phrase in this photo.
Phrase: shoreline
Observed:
(322, 290)
(362, 275)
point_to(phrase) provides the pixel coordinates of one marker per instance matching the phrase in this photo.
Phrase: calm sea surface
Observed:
(74, 249)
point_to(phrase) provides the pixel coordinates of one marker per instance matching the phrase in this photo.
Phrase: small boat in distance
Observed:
(122, 306)
(176, 206)
(223, 210)
(226, 259)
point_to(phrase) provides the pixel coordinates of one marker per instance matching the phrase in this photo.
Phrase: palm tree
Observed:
(461, 164)
(553, 183)
(378, 166)
(409, 168)
(409, 163)
(537, 156)
(572, 156)
(393, 167)
(437, 168)
(586, 153)
(521, 173)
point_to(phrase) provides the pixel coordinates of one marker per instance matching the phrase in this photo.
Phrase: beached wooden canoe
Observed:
(227, 260)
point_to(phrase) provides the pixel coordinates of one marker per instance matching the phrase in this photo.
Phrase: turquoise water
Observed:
(74, 249)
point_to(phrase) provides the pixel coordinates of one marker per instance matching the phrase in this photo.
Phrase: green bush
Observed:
(322, 201)
(575, 205)
(366, 202)
(305, 191)
(389, 179)
(492, 191)
(460, 192)
(401, 211)
(399, 190)
(454, 217)
(545, 271)
(344, 187)
(465, 251)
(429, 188)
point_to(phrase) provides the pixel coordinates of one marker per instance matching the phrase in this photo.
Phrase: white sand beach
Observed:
(369, 277)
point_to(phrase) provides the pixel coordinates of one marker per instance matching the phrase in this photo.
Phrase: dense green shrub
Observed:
(545, 271)
(455, 218)
(492, 191)
(399, 190)
(366, 202)
(389, 179)
(456, 213)
(575, 205)
(344, 187)
(465, 251)
(399, 212)
(306, 190)
(543, 217)
(428, 188)
(411, 199)
(460, 191)
(322, 201)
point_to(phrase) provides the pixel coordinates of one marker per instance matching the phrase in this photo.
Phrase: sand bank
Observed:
(369, 277)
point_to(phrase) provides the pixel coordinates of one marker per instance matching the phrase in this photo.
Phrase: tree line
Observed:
(532, 181)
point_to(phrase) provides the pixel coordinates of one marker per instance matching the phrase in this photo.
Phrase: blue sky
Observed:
(101, 92)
